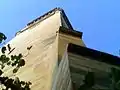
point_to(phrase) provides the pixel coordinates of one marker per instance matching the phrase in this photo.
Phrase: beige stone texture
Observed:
(42, 57)
(47, 65)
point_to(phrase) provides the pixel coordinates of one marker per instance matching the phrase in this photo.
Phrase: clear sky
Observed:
(99, 20)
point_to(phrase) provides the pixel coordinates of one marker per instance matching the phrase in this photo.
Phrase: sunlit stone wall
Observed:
(42, 58)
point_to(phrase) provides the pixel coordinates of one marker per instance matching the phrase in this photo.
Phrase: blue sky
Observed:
(99, 20)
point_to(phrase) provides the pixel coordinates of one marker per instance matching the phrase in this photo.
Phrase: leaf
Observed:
(8, 82)
(20, 56)
(15, 70)
(8, 63)
(17, 80)
(89, 79)
(27, 87)
(13, 64)
(29, 83)
(2, 37)
(22, 82)
(21, 62)
(3, 49)
(3, 79)
(12, 57)
(2, 66)
(9, 48)
(2, 57)
(1, 72)
(6, 60)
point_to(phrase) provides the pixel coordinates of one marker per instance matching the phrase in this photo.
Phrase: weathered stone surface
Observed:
(42, 57)
(47, 65)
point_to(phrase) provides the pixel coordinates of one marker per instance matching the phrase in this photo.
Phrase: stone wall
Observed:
(62, 78)
(42, 58)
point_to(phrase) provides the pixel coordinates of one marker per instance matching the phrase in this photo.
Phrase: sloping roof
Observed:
(96, 55)
(51, 12)
(45, 16)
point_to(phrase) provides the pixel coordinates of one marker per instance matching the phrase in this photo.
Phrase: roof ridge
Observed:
(51, 12)
(44, 16)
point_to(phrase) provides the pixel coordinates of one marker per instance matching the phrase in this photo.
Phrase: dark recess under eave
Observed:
(70, 32)
(96, 55)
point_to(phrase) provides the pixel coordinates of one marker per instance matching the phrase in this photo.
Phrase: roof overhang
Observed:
(71, 32)
(96, 55)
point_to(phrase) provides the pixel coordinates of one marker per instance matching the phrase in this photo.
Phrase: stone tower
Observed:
(47, 64)
(57, 58)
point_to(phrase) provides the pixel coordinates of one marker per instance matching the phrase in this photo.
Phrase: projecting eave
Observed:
(94, 54)
(71, 32)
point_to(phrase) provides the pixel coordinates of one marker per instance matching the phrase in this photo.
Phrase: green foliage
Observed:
(88, 82)
(15, 84)
(115, 76)
(89, 79)
(2, 37)
(16, 61)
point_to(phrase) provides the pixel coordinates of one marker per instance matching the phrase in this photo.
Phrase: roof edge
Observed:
(46, 14)
(43, 17)
(51, 12)
(95, 54)
(70, 32)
